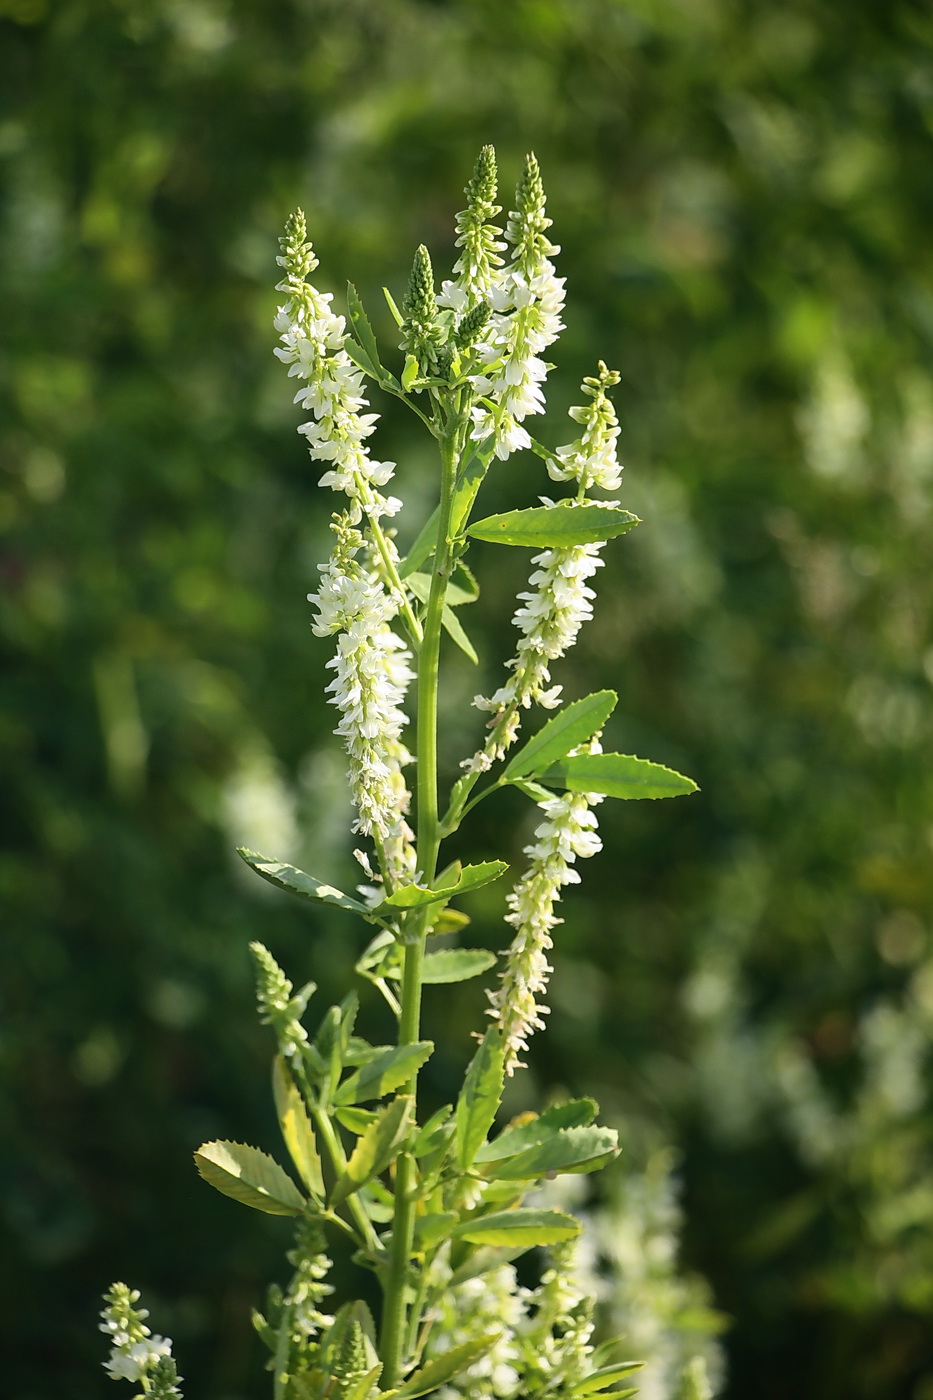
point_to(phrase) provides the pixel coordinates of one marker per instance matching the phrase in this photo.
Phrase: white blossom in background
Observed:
(568, 831)
(527, 300)
(372, 676)
(313, 340)
(135, 1354)
(477, 267)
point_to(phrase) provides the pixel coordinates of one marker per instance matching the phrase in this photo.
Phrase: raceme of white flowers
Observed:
(135, 1354)
(313, 340)
(371, 678)
(527, 300)
(568, 831)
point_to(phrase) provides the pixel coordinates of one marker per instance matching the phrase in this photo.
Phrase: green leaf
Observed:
(423, 546)
(568, 728)
(248, 1175)
(386, 1072)
(565, 1150)
(456, 964)
(464, 582)
(433, 1132)
(448, 921)
(455, 597)
(431, 1229)
(361, 327)
(483, 1261)
(555, 527)
(519, 1227)
(603, 1378)
(471, 877)
(469, 481)
(480, 1097)
(378, 1146)
(576, 1113)
(360, 358)
(410, 372)
(616, 775)
(457, 634)
(390, 302)
(445, 1367)
(357, 1120)
(296, 1128)
(286, 877)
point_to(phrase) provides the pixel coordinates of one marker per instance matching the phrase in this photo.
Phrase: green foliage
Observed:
(554, 526)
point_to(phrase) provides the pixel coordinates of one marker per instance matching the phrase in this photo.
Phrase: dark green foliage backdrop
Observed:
(743, 197)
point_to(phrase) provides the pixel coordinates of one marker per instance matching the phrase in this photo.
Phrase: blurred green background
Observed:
(743, 195)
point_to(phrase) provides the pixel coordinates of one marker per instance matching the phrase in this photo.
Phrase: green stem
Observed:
(395, 1320)
(339, 1160)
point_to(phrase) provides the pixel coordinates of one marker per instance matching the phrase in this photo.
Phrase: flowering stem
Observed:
(394, 1322)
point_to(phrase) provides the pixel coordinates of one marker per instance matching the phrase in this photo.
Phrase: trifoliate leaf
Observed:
(555, 527)
(287, 877)
(570, 727)
(519, 1227)
(248, 1175)
(616, 775)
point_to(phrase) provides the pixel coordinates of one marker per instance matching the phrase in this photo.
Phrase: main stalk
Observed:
(394, 1320)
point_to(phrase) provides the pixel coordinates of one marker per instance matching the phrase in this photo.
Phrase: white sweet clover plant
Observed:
(438, 1210)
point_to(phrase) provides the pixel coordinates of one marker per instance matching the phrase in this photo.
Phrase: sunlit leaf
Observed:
(616, 775)
(248, 1175)
(569, 727)
(519, 1227)
(287, 877)
(555, 527)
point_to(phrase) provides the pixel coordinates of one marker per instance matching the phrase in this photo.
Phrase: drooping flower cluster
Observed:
(135, 1354)
(313, 340)
(372, 675)
(568, 831)
(527, 300)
